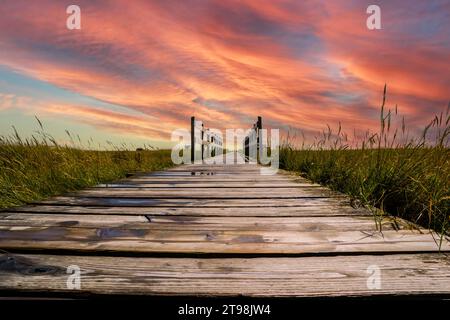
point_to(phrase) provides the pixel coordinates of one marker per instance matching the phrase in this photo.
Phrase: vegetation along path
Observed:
(215, 230)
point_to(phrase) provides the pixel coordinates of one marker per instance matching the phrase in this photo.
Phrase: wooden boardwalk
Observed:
(215, 230)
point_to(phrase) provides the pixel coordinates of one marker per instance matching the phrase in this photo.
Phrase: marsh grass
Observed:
(386, 171)
(38, 167)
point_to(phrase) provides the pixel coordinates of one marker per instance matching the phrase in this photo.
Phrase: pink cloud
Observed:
(297, 64)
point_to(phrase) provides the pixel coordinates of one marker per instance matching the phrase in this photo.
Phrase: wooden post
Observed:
(192, 139)
(258, 145)
(202, 135)
(247, 149)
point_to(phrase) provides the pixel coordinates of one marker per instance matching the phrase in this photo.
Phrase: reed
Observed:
(386, 171)
(38, 167)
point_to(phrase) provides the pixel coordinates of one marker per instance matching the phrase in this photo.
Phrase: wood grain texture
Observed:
(311, 210)
(207, 193)
(260, 277)
(232, 240)
(349, 223)
(112, 200)
(202, 185)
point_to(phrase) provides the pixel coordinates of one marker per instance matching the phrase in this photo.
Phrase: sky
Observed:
(137, 70)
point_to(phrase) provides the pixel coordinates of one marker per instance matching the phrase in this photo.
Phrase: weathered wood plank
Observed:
(405, 274)
(208, 169)
(159, 202)
(218, 174)
(171, 223)
(72, 220)
(227, 167)
(207, 179)
(198, 241)
(185, 185)
(311, 210)
(207, 193)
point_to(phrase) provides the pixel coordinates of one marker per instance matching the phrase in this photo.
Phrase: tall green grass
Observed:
(34, 168)
(408, 178)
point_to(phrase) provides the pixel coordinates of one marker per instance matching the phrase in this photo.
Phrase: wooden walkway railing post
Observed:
(203, 139)
(253, 140)
(208, 137)
(258, 142)
(192, 139)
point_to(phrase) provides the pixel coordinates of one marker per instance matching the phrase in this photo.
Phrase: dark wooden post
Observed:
(258, 145)
(192, 139)
(247, 149)
(202, 135)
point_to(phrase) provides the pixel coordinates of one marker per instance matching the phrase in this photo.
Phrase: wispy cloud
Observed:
(298, 64)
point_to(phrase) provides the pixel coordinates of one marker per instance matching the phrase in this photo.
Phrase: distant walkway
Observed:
(215, 230)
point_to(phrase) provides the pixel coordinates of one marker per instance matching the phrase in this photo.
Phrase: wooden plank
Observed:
(230, 184)
(294, 211)
(221, 175)
(198, 203)
(205, 172)
(171, 223)
(226, 190)
(72, 220)
(207, 193)
(232, 178)
(198, 241)
(212, 168)
(402, 274)
(187, 167)
(209, 180)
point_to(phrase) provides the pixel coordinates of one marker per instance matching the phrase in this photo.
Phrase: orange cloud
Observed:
(297, 64)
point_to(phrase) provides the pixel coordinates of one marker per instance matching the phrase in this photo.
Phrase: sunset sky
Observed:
(139, 69)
